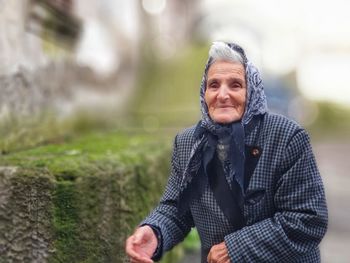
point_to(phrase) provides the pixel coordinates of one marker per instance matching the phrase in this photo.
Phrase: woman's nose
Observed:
(223, 93)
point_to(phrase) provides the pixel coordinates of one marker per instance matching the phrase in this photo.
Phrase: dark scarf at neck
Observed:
(193, 182)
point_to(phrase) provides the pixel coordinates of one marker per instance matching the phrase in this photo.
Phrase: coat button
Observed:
(255, 152)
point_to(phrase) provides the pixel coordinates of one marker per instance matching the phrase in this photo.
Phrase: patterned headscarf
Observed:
(255, 105)
(256, 100)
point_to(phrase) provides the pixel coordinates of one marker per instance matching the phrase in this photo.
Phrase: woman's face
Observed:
(226, 91)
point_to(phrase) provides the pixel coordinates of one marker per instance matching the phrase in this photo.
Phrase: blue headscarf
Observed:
(255, 105)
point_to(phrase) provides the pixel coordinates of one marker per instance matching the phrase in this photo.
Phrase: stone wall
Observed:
(75, 202)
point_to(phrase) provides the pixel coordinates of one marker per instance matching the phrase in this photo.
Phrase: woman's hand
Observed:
(141, 245)
(218, 254)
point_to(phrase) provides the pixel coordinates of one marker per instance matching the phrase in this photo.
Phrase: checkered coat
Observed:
(285, 209)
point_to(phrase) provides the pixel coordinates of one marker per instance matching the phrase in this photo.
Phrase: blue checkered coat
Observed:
(284, 209)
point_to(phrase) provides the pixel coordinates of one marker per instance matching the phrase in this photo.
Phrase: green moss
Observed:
(66, 224)
(101, 186)
(67, 157)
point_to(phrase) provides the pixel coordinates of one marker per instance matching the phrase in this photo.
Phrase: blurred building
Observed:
(65, 55)
(169, 24)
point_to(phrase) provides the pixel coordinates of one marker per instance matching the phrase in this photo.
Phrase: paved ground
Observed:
(194, 257)
(334, 164)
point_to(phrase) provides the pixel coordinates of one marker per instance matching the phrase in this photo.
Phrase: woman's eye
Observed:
(236, 86)
(213, 85)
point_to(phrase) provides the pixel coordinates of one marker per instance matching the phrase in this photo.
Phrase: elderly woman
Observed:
(244, 177)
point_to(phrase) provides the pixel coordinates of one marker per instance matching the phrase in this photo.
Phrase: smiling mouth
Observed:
(225, 107)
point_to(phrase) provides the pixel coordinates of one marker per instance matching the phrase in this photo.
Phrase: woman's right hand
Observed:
(141, 245)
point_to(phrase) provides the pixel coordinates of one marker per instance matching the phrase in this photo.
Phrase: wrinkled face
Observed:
(226, 90)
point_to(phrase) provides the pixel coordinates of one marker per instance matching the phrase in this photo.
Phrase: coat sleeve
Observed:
(300, 219)
(164, 217)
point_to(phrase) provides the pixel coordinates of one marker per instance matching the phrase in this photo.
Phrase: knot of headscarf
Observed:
(207, 131)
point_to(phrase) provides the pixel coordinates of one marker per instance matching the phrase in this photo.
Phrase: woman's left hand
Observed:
(218, 254)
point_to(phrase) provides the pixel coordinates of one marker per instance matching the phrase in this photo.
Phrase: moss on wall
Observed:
(77, 201)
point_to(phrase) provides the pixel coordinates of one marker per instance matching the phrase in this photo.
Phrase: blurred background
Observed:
(71, 66)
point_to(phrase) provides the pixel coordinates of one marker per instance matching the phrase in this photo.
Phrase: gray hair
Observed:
(221, 51)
